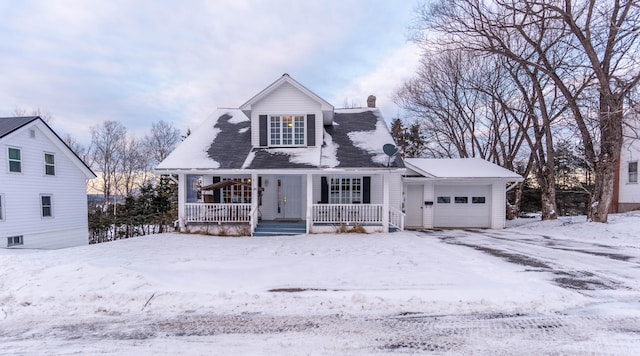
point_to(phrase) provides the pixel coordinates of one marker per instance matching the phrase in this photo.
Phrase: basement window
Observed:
(14, 240)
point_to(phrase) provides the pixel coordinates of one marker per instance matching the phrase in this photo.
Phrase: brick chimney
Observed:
(371, 101)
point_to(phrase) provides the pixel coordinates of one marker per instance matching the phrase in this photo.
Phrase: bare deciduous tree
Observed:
(576, 44)
(44, 115)
(161, 141)
(107, 144)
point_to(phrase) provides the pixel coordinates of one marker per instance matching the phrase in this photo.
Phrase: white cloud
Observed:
(142, 61)
(383, 80)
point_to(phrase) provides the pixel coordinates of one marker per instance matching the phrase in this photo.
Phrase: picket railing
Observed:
(347, 213)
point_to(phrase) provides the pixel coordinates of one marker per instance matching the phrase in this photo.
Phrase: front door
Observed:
(289, 197)
(414, 208)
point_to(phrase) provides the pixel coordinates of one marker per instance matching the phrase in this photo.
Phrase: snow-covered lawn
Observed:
(325, 294)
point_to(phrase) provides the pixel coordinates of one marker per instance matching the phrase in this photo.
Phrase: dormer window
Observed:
(286, 130)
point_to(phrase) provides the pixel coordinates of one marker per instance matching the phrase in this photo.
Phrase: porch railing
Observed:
(347, 213)
(396, 218)
(219, 213)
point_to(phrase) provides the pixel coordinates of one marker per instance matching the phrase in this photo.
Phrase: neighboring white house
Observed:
(288, 155)
(456, 193)
(43, 187)
(628, 194)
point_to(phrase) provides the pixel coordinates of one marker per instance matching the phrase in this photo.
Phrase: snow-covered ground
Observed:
(566, 287)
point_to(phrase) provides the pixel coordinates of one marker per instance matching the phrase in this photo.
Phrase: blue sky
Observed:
(141, 61)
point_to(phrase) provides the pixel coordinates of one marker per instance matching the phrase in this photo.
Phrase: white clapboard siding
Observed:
(285, 100)
(22, 191)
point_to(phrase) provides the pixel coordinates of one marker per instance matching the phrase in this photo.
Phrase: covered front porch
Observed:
(323, 202)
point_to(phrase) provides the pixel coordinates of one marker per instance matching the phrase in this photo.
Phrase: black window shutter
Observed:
(366, 190)
(263, 130)
(324, 191)
(311, 129)
(216, 192)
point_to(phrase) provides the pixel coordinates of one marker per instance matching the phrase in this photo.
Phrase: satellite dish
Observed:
(390, 150)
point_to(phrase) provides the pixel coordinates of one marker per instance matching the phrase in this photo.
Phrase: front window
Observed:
(633, 172)
(345, 191)
(237, 193)
(15, 160)
(286, 130)
(46, 207)
(49, 164)
(194, 183)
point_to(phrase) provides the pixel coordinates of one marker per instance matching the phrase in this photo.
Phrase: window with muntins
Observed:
(633, 172)
(237, 193)
(345, 191)
(287, 130)
(46, 206)
(49, 164)
(15, 160)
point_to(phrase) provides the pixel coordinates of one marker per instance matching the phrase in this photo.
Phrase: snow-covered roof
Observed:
(205, 149)
(223, 141)
(463, 168)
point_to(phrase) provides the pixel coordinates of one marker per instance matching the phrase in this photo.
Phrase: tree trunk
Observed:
(513, 210)
(546, 180)
(606, 167)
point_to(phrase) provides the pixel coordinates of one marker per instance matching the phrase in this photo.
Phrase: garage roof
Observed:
(459, 168)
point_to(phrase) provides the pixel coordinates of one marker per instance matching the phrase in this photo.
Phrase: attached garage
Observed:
(456, 193)
(462, 206)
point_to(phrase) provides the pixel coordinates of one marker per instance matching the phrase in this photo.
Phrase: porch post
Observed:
(308, 212)
(385, 202)
(182, 197)
(254, 201)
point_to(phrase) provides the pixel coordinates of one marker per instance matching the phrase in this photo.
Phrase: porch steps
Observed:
(280, 228)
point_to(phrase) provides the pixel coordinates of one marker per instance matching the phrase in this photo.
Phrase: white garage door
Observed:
(462, 206)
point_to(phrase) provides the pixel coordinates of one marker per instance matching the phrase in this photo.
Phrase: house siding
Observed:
(22, 191)
(284, 100)
(629, 193)
(498, 205)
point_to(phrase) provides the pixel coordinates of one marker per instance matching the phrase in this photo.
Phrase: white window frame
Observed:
(295, 134)
(633, 175)
(15, 240)
(2, 207)
(9, 159)
(346, 190)
(237, 193)
(47, 164)
(43, 206)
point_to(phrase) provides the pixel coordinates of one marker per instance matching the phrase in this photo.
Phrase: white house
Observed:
(43, 197)
(287, 155)
(628, 189)
(456, 193)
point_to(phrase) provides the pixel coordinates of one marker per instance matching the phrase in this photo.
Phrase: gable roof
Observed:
(9, 125)
(325, 106)
(462, 168)
(223, 141)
